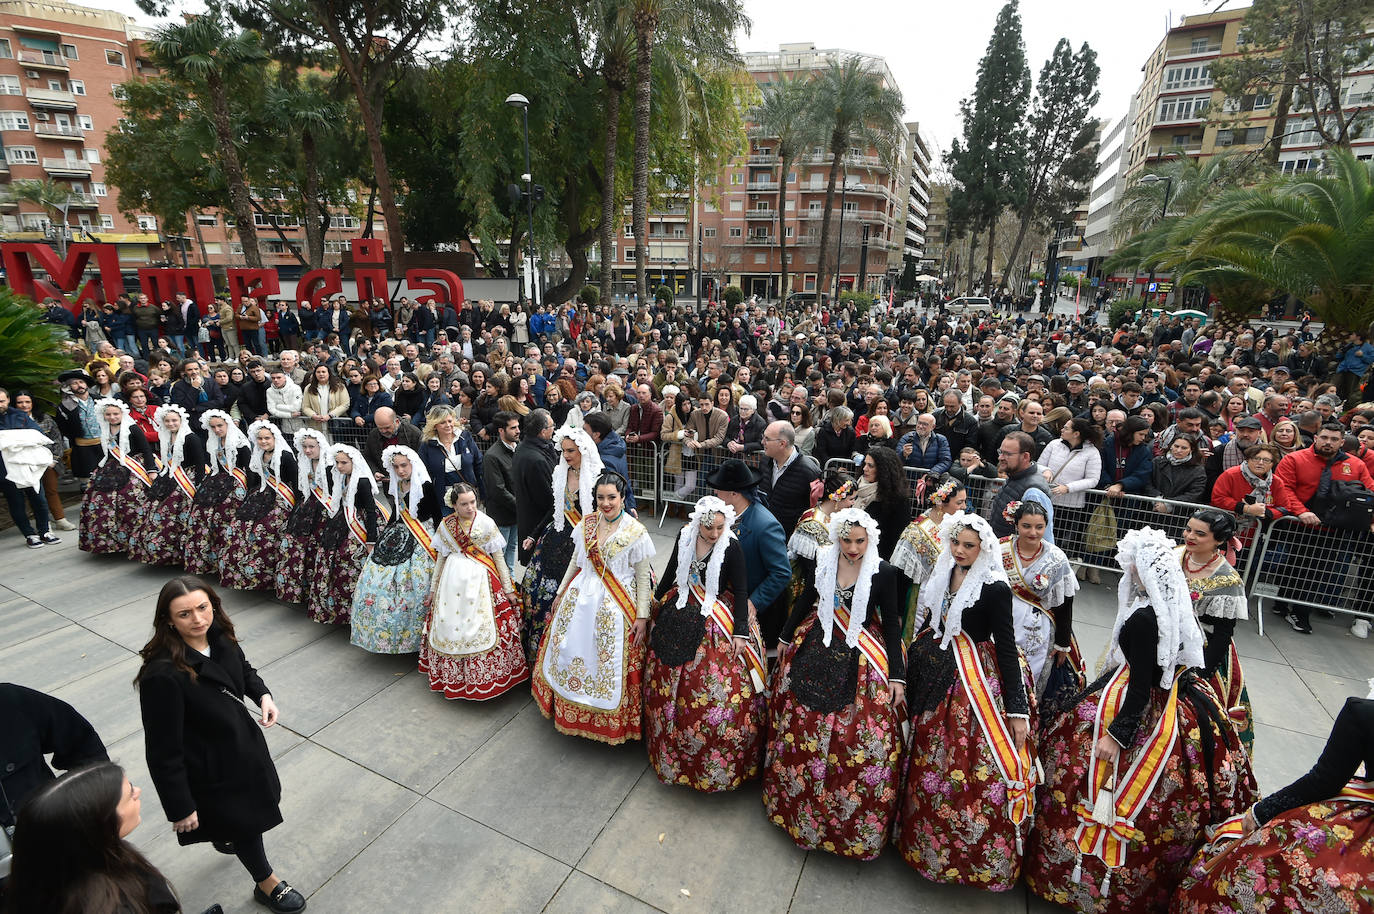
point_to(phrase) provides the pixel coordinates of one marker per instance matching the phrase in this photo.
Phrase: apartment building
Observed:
(918, 195)
(734, 214)
(1104, 195)
(937, 231)
(62, 66)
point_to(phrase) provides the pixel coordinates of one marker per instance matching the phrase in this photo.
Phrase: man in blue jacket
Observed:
(761, 537)
(925, 448)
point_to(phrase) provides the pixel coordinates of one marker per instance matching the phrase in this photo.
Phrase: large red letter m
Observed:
(66, 275)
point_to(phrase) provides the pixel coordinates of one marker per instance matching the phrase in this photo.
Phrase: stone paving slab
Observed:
(397, 799)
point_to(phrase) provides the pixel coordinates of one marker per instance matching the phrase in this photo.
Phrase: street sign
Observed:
(1153, 287)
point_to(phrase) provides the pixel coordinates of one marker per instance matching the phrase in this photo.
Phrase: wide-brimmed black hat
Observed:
(76, 374)
(734, 475)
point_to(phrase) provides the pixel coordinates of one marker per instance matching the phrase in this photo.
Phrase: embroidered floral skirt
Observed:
(954, 825)
(703, 719)
(615, 726)
(1229, 684)
(329, 598)
(109, 517)
(298, 556)
(830, 780)
(161, 537)
(208, 535)
(477, 677)
(257, 550)
(539, 588)
(1315, 859)
(389, 605)
(1170, 828)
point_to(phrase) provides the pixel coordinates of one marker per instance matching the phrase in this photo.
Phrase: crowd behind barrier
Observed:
(1316, 566)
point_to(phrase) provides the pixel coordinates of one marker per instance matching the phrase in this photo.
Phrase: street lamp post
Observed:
(516, 100)
(1163, 212)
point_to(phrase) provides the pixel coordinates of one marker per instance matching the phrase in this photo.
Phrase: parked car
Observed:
(967, 303)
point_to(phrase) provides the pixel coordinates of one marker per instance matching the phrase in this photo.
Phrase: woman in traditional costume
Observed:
(704, 675)
(1146, 761)
(834, 754)
(300, 539)
(970, 781)
(1043, 585)
(588, 674)
(161, 538)
(1219, 602)
(219, 494)
(812, 535)
(254, 531)
(579, 464)
(1305, 848)
(470, 647)
(919, 546)
(350, 530)
(389, 602)
(113, 505)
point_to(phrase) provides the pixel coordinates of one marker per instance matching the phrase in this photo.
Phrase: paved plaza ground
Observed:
(397, 800)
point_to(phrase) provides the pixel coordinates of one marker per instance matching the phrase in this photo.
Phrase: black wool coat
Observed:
(206, 752)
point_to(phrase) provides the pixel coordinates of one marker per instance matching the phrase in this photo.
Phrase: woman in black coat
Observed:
(208, 761)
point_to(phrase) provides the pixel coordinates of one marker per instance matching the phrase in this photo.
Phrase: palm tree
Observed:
(309, 112)
(54, 198)
(1309, 235)
(1191, 185)
(616, 45)
(785, 114)
(202, 48)
(853, 108)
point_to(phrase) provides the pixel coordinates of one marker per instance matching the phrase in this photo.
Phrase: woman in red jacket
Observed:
(1251, 490)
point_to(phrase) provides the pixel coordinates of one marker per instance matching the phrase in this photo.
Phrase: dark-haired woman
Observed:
(253, 549)
(407, 396)
(1178, 476)
(470, 647)
(113, 505)
(588, 674)
(969, 786)
(834, 751)
(1042, 590)
(300, 539)
(1147, 748)
(704, 674)
(161, 538)
(207, 759)
(350, 531)
(70, 856)
(1219, 602)
(219, 494)
(324, 400)
(884, 495)
(1071, 465)
(389, 600)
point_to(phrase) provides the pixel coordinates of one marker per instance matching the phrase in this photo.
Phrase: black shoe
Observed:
(283, 900)
(1299, 625)
(224, 847)
(50, 538)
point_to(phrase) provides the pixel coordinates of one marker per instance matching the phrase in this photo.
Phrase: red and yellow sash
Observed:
(1016, 767)
(725, 621)
(1018, 580)
(870, 647)
(184, 480)
(573, 517)
(466, 545)
(418, 531)
(1222, 682)
(320, 494)
(608, 580)
(241, 477)
(132, 465)
(283, 490)
(1136, 784)
(356, 525)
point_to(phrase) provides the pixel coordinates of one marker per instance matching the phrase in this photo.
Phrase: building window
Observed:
(114, 58)
(117, 92)
(1192, 76)
(737, 206)
(1255, 134)
(789, 232)
(708, 233)
(9, 85)
(335, 247)
(14, 120)
(736, 232)
(207, 219)
(69, 52)
(93, 156)
(236, 247)
(1225, 137)
(629, 231)
(22, 155)
(84, 122)
(1199, 45)
(55, 85)
(760, 258)
(631, 253)
(147, 223)
(6, 53)
(98, 189)
(344, 222)
(106, 221)
(736, 177)
(78, 86)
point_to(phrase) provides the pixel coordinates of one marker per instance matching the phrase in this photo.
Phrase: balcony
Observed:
(1182, 53)
(45, 60)
(763, 159)
(59, 131)
(66, 168)
(1196, 117)
(761, 240)
(51, 98)
(83, 201)
(760, 214)
(1168, 152)
(758, 187)
(825, 158)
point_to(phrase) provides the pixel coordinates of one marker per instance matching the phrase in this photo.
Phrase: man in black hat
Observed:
(761, 538)
(1077, 401)
(1248, 431)
(77, 420)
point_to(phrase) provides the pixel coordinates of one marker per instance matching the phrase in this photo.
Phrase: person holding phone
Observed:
(208, 760)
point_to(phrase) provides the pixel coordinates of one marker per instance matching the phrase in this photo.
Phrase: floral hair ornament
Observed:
(845, 490)
(1009, 512)
(945, 489)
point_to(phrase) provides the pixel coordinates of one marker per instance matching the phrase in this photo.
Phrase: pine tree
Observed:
(989, 164)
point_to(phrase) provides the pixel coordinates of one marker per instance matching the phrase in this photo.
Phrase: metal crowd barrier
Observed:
(645, 470)
(981, 489)
(1314, 566)
(695, 469)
